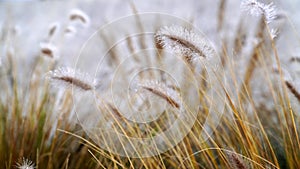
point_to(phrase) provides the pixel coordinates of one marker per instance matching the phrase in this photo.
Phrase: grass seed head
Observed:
(77, 14)
(68, 77)
(183, 41)
(255, 8)
(25, 164)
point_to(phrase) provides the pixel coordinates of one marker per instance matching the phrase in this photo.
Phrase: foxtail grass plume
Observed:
(236, 162)
(255, 8)
(77, 14)
(53, 29)
(183, 41)
(293, 89)
(295, 59)
(289, 82)
(68, 77)
(25, 164)
(163, 91)
(49, 50)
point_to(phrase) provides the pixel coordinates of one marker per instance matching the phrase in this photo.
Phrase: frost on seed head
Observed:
(274, 33)
(255, 8)
(183, 41)
(68, 77)
(25, 164)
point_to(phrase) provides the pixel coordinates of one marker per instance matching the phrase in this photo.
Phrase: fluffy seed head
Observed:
(25, 164)
(286, 75)
(295, 59)
(77, 14)
(255, 8)
(236, 162)
(163, 91)
(68, 77)
(53, 29)
(183, 41)
(49, 50)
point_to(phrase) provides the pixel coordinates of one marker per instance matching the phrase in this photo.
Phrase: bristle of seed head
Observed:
(183, 41)
(274, 33)
(163, 91)
(49, 50)
(77, 14)
(255, 8)
(25, 164)
(68, 77)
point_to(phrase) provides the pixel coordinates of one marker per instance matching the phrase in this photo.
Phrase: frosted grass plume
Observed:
(183, 41)
(77, 14)
(255, 8)
(25, 164)
(289, 82)
(49, 50)
(236, 162)
(162, 90)
(67, 77)
(53, 28)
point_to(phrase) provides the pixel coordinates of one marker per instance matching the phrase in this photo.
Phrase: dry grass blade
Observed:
(221, 14)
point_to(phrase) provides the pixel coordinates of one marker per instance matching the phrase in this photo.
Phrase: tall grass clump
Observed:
(237, 71)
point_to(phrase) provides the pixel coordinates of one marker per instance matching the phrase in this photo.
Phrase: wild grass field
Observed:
(150, 84)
